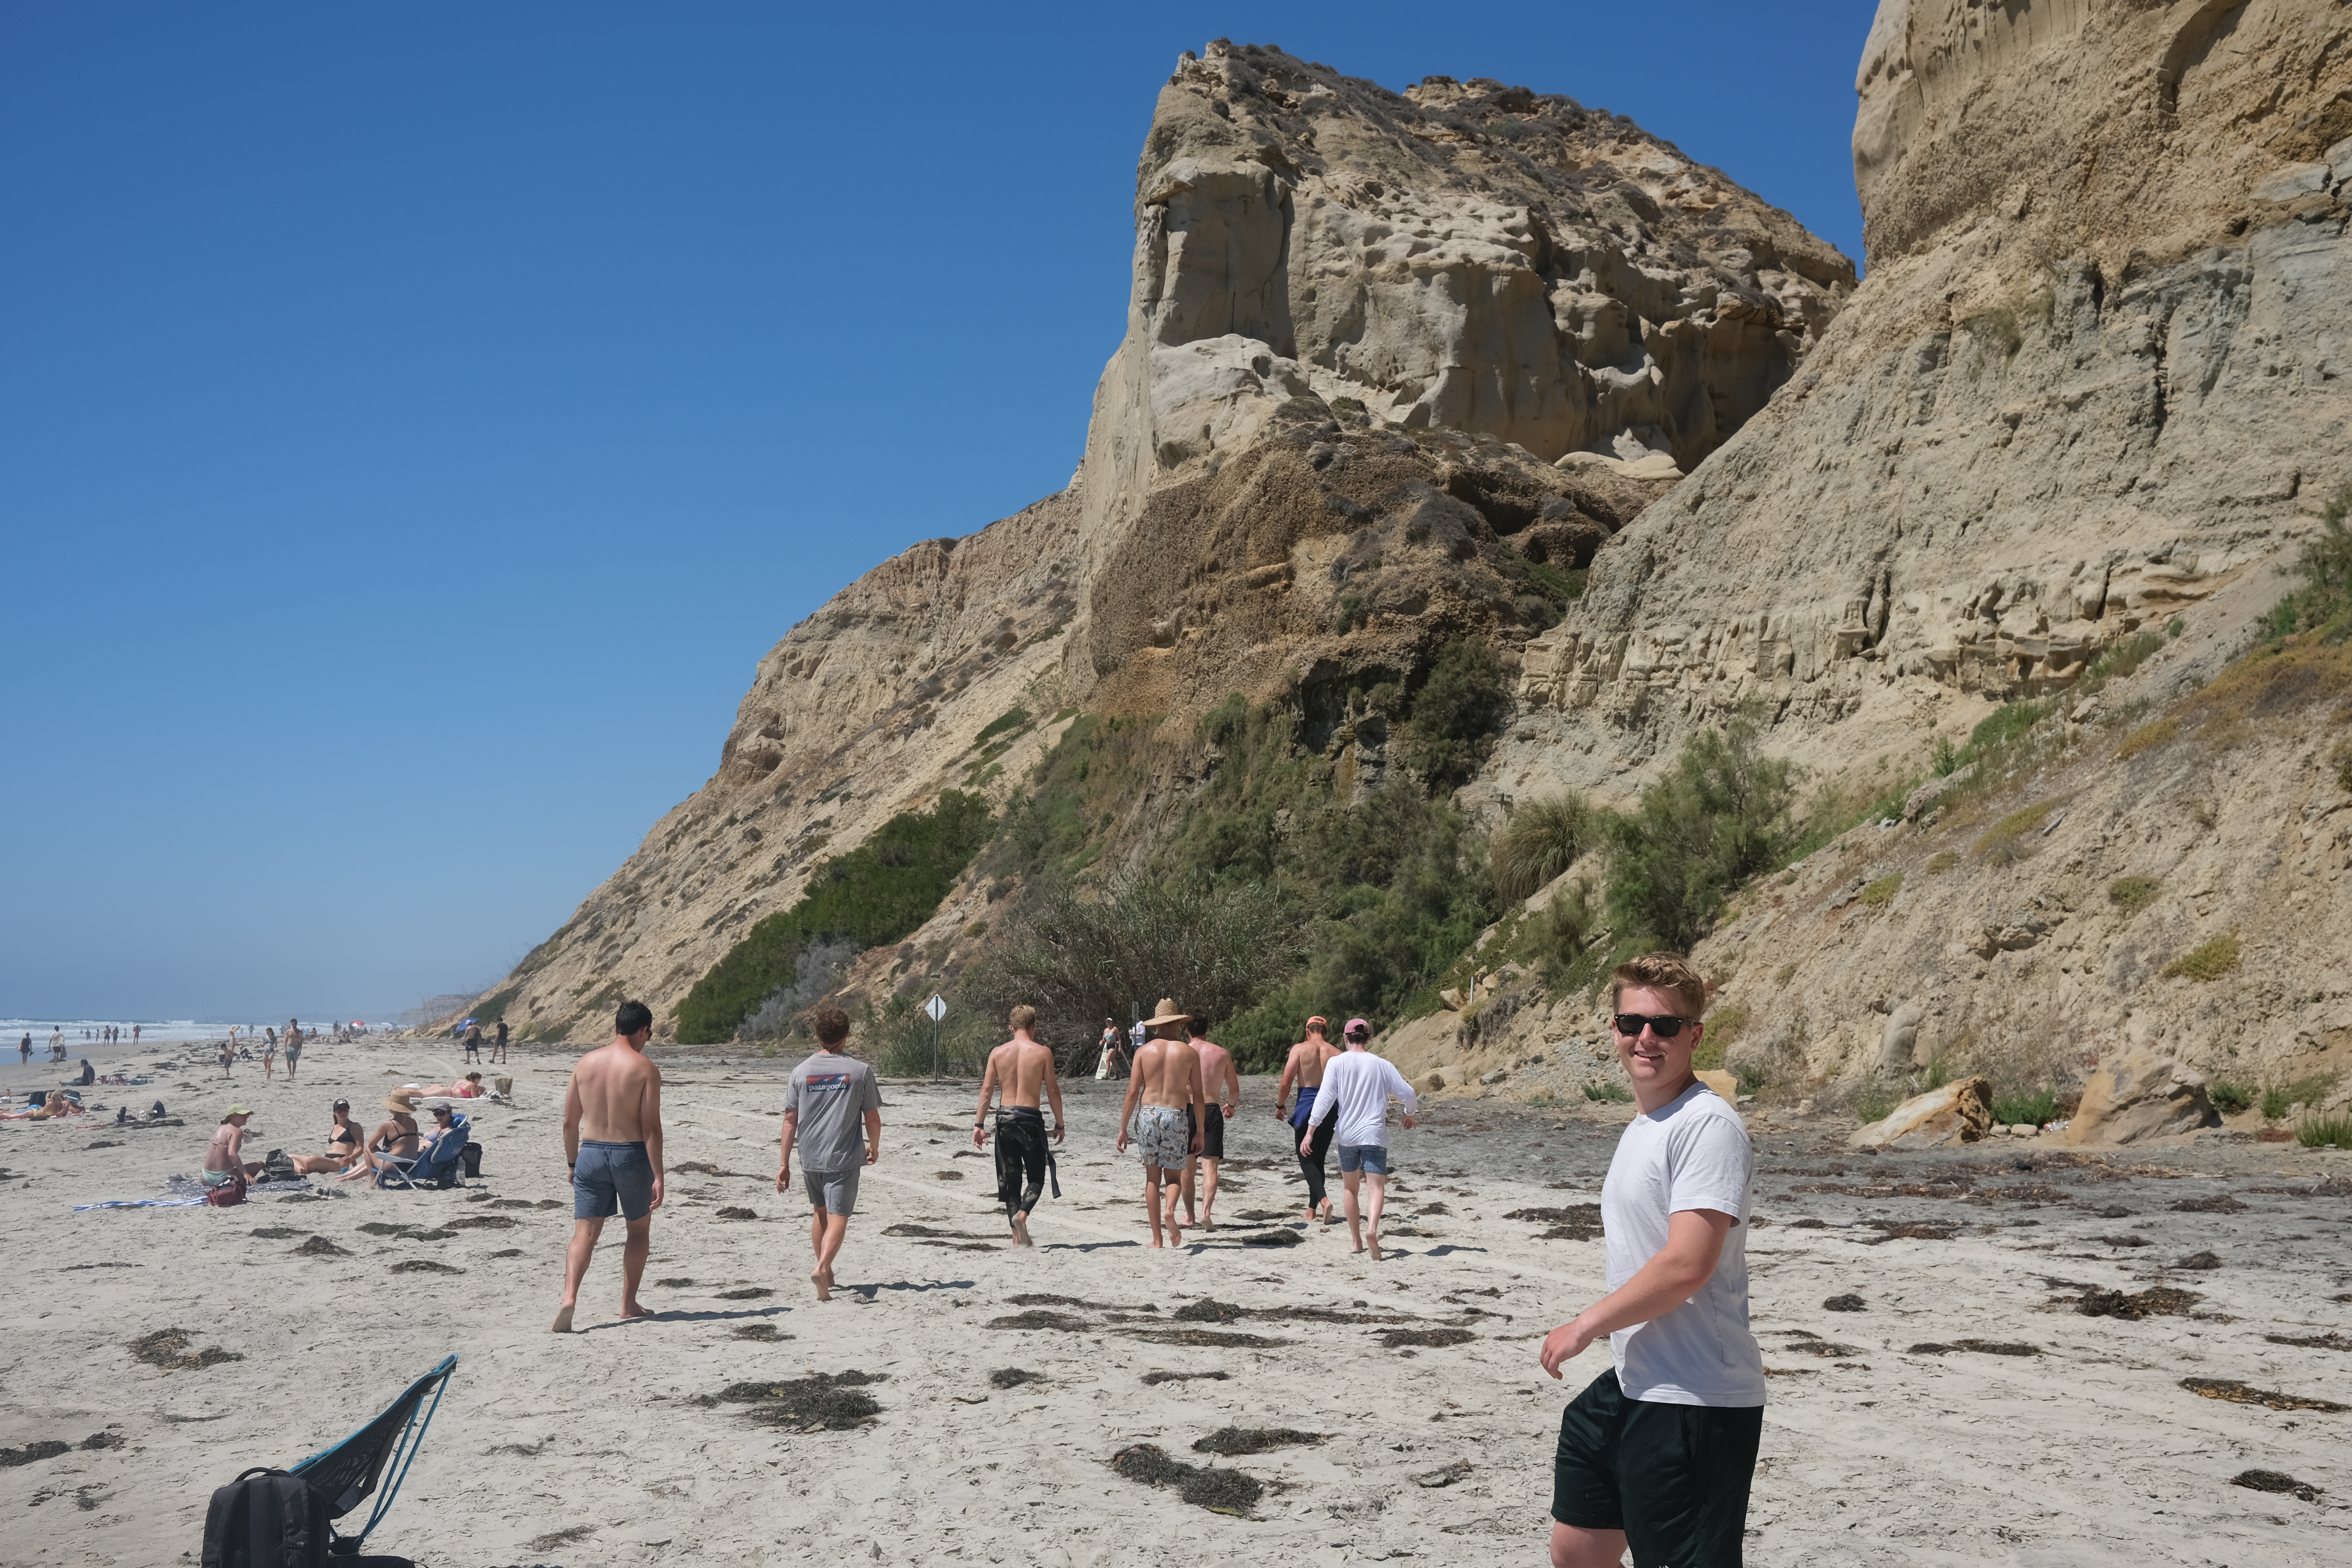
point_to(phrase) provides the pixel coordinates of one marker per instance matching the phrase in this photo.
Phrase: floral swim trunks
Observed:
(1163, 1136)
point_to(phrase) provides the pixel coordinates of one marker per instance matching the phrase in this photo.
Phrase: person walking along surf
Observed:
(1304, 1070)
(1659, 1451)
(826, 1101)
(1357, 1088)
(1219, 1080)
(1025, 1159)
(1161, 1110)
(612, 1140)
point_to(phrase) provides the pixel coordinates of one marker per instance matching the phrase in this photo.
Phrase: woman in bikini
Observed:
(396, 1135)
(223, 1164)
(342, 1145)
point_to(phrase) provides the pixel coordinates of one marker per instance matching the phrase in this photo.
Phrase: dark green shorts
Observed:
(1674, 1478)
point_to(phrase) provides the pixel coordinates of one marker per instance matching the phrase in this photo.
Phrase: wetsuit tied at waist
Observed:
(1024, 1159)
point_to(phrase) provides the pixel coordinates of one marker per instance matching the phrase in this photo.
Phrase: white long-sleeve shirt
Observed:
(1357, 1086)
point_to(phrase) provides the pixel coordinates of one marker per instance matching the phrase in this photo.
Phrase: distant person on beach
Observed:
(1357, 1088)
(473, 1042)
(1659, 1452)
(833, 1110)
(612, 1139)
(135, 1029)
(498, 1048)
(1022, 1069)
(57, 1044)
(269, 1063)
(1107, 1066)
(227, 1058)
(343, 1144)
(88, 1073)
(293, 1053)
(1162, 1109)
(1304, 1071)
(395, 1136)
(1219, 1081)
(25, 1049)
(223, 1163)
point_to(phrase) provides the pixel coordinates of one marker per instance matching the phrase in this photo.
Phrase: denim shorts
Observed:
(1371, 1158)
(612, 1176)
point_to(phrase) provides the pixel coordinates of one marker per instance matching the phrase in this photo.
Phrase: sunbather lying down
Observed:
(56, 1105)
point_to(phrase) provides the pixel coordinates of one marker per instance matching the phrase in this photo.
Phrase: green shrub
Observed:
(2032, 1107)
(873, 896)
(1718, 818)
(1461, 704)
(1559, 935)
(2323, 605)
(2002, 835)
(1351, 615)
(2131, 894)
(2147, 736)
(2231, 1098)
(1347, 406)
(1939, 864)
(2123, 659)
(1010, 719)
(1220, 725)
(1608, 1090)
(2005, 724)
(2208, 960)
(492, 1008)
(2325, 1132)
(1948, 758)
(1873, 1105)
(1078, 959)
(1723, 1027)
(2276, 1103)
(1541, 840)
(2341, 760)
(1881, 893)
(897, 1037)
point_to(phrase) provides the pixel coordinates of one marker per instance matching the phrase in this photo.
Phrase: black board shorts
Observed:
(1674, 1478)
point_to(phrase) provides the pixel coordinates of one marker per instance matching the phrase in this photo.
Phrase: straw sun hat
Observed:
(1169, 1014)
(401, 1103)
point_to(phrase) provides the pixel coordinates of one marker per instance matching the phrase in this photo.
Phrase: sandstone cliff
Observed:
(1364, 327)
(2094, 385)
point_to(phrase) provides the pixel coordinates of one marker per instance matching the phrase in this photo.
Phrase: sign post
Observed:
(937, 1007)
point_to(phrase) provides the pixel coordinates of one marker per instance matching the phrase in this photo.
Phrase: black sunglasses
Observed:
(1666, 1026)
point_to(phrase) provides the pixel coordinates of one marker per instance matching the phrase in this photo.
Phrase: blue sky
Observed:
(416, 420)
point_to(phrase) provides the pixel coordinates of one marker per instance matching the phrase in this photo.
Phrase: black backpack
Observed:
(267, 1519)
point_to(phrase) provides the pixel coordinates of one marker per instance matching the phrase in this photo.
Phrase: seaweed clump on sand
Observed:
(1435, 1338)
(1013, 1377)
(2277, 1481)
(1061, 1323)
(1575, 1222)
(1158, 1378)
(1980, 1347)
(423, 1266)
(2237, 1393)
(1846, 1303)
(47, 1448)
(1207, 1339)
(319, 1247)
(1228, 1441)
(2162, 1301)
(821, 1402)
(168, 1348)
(1208, 1310)
(1219, 1491)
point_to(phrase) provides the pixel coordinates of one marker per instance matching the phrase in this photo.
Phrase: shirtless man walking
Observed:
(1219, 1080)
(825, 1101)
(1021, 1067)
(1163, 1101)
(1304, 1071)
(612, 1140)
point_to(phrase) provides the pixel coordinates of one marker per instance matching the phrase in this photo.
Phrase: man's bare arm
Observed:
(1127, 1105)
(873, 1136)
(649, 1114)
(1054, 1093)
(1233, 1082)
(1289, 1076)
(784, 1160)
(987, 1093)
(571, 1118)
(1197, 1090)
(1694, 1243)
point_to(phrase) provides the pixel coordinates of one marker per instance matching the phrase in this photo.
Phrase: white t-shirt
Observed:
(1357, 1088)
(1691, 1153)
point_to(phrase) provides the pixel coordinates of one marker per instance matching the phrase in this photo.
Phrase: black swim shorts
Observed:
(1212, 1135)
(1674, 1478)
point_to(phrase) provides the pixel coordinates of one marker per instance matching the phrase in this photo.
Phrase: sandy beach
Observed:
(1970, 1411)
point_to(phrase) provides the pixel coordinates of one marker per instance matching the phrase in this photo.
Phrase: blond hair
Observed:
(1023, 1017)
(1661, 971)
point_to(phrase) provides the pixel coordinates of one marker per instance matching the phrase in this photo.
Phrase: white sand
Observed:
(2091, 1453)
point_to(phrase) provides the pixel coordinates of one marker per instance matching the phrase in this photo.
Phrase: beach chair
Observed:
(346, 1473)
(436, 1166)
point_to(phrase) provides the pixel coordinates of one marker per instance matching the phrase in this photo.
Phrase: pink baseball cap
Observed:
(1355, 1024)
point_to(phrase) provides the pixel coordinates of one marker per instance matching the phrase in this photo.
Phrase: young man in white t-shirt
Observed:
(1659, 1452)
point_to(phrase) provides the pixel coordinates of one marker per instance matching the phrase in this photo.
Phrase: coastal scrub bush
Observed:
(1718, 818)
(1881, 893)
(2325, 1132)
(2323, 605)
(816, 970)
(2277, 1100)
(1541, 840)
(2147, 737)
(1937, 864)
(1078, 959)
(873, 896)
(1459, 707)
(2208, 960)
(2231, 1098)
(2000, 843)
(1558, 936)
(2130, 895)
(1723, 1026)
(1010, 719)
(2031, 1107)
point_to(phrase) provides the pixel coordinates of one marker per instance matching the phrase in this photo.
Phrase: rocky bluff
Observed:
(1365, 328)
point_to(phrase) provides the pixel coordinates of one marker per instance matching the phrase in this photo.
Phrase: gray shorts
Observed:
(1372, 1159)
(835, 1192)
(610, 1178)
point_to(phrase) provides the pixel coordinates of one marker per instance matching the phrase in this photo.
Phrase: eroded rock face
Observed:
(1959, 1113)
(2090, 377)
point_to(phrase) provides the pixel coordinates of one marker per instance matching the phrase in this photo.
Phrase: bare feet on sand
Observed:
(822, 1279)
(1373, 1236)
(563, 1319)
(636, 1309)
(1021, 1231)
